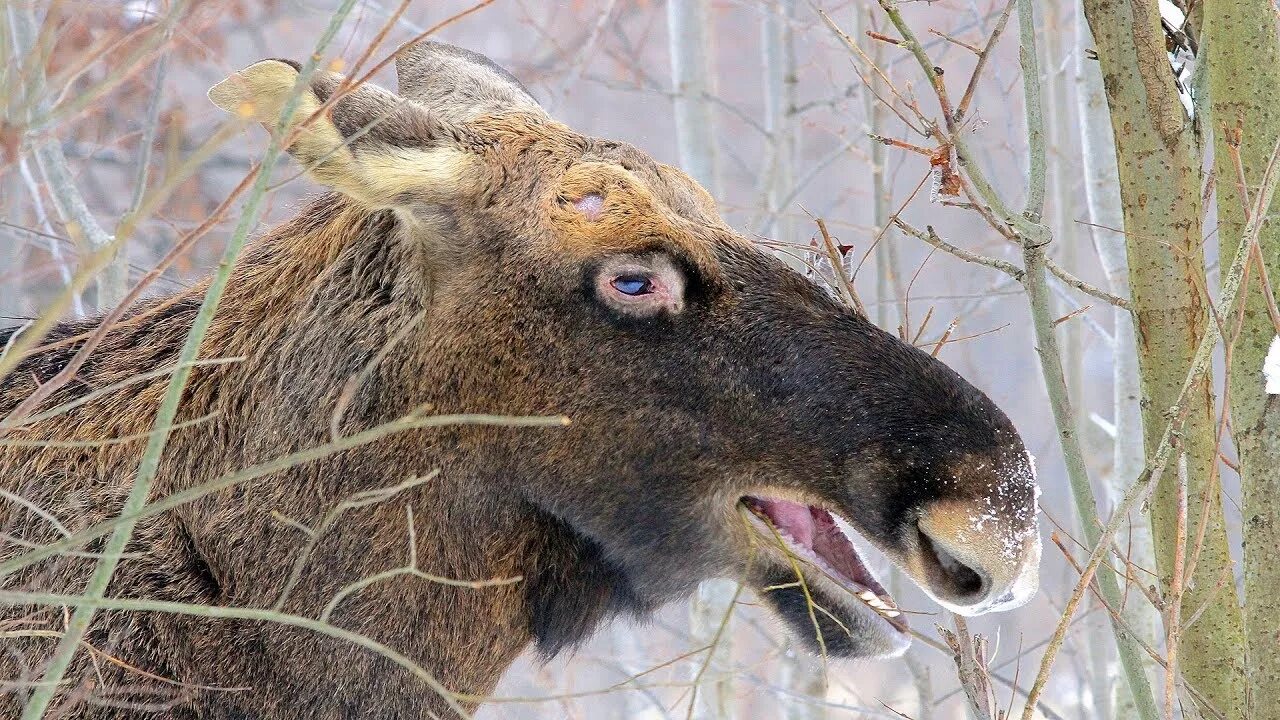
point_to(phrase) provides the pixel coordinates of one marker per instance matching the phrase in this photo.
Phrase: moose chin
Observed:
(727, 418)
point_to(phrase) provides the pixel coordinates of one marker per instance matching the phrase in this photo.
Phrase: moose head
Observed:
(729, 418)
(726, 412)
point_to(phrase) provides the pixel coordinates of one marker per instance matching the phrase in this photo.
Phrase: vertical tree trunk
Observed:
(1102, 195)
(10, 253)
(1160, 183)
(1243, 56)
(688, 37)
(779, 59)
(689, 40)
(889, 294)
(72, 208)
(1101, 666)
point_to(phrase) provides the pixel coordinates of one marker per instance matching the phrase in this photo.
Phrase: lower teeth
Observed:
(880, 605)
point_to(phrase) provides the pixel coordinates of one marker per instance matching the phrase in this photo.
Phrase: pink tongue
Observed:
(792, 518)
(832, 546)
(816, 529)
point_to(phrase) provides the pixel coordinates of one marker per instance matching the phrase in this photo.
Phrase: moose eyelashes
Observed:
(640, 286)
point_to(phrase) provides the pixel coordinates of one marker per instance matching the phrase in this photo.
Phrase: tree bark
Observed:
(1058, 118)
(890, 301)
(1159, 158)
(1244, 91)
(688, 38)
(79, 221)
(1102, 197)
(778, 59)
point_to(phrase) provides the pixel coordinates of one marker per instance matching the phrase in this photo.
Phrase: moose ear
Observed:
(370, 144)
(459, 85)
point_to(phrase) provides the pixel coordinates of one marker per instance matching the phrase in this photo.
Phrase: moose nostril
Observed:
(965, 582)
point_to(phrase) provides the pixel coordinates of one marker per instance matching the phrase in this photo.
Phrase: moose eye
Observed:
(633, 285)
(640, 285)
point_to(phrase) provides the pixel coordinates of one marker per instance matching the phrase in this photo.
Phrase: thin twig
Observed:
(853, 47)
(715, 642)
(1242, 191)
(931, 237)
(983, 56)
(909, 41)
(1173, 606)
(969, 652)
(837, 268)
(1084, 287)
(971, 48)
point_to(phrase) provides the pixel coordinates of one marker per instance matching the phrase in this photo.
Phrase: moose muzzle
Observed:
(976, 556)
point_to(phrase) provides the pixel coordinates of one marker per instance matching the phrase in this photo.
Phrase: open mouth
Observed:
(812, 537)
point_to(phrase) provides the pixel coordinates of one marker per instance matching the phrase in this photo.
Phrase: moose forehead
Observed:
(602, 196)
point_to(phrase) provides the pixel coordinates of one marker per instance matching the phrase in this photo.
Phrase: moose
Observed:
(726, 417)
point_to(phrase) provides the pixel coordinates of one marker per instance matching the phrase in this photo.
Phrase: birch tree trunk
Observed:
(76, 217)
(10, 253)
(1102, 195)
(1100, 666)
(10, 299)
(688, 37)
(889, 295)
(1159, 159)
(1243, 56)
(779, 66)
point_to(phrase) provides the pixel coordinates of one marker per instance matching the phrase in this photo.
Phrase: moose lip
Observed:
(812, 535)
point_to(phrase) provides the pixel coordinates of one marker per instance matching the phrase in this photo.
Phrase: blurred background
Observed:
(781, 118)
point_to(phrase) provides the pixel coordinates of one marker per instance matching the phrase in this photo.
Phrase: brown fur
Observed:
(453, 265)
